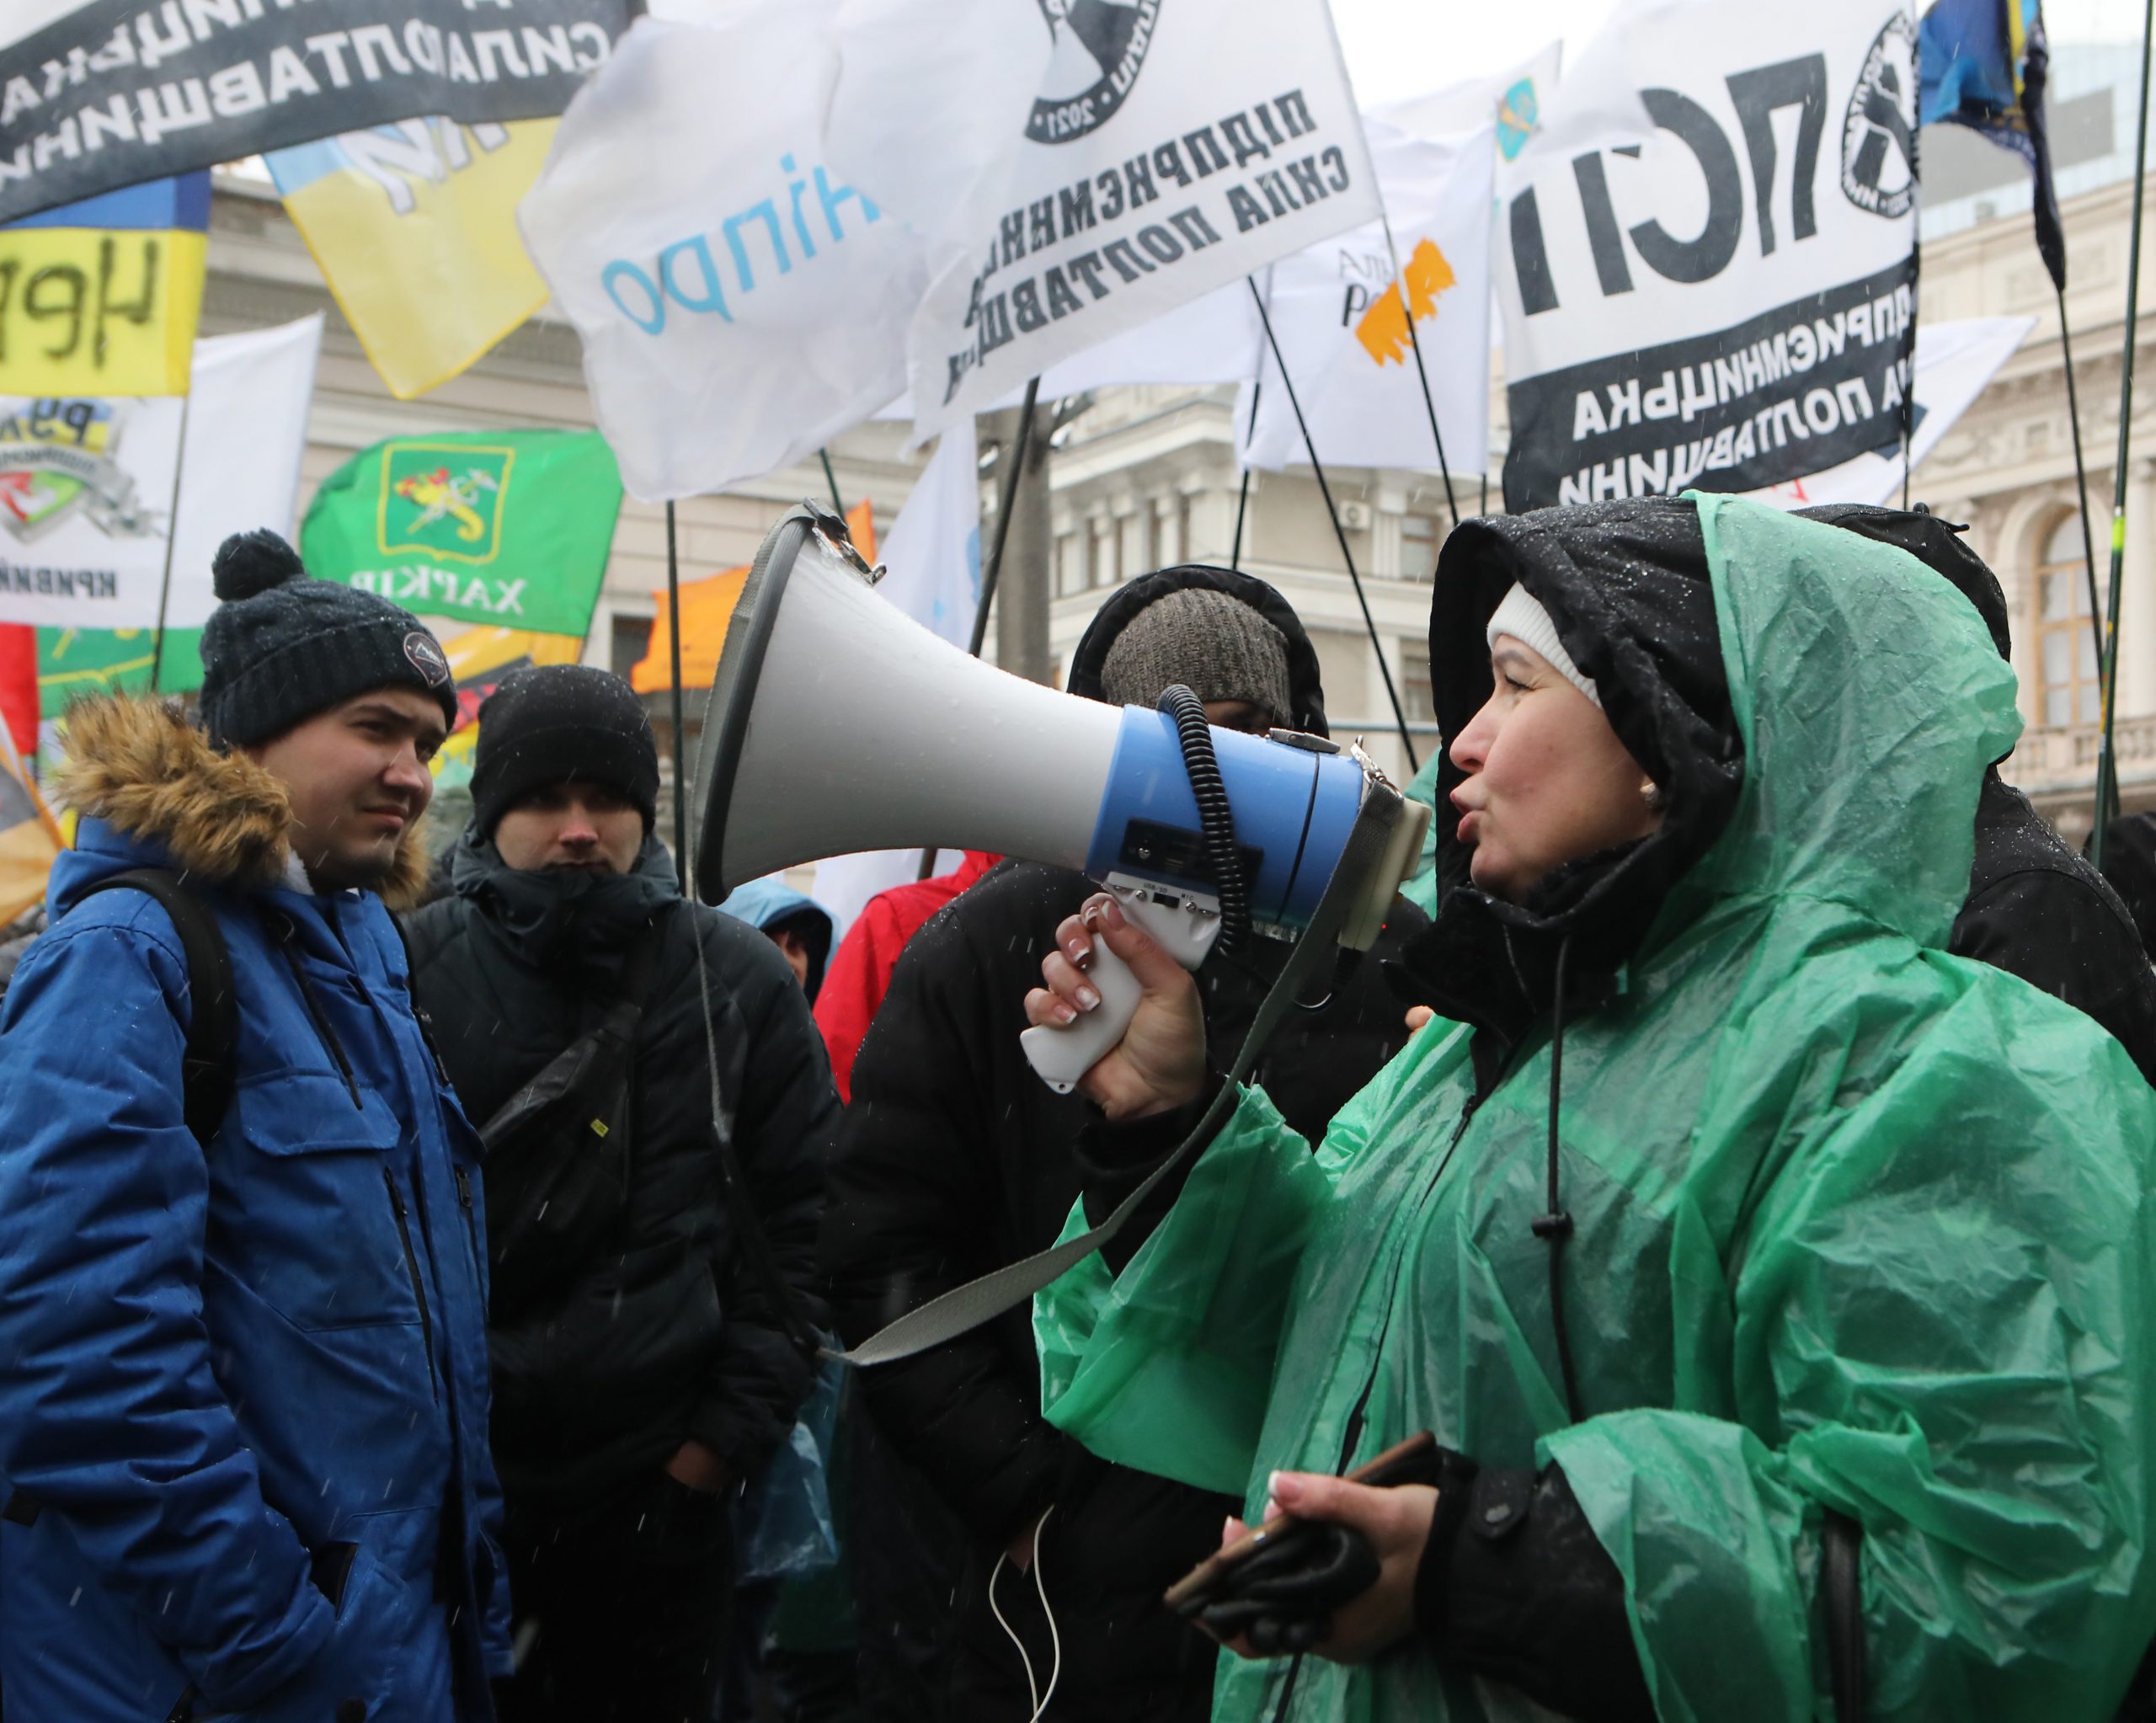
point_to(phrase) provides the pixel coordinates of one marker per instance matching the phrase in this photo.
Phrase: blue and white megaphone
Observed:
(837, 723)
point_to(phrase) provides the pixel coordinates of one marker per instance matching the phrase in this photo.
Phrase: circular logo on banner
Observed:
(1099, 46)
(1879, 149)
(426, 657)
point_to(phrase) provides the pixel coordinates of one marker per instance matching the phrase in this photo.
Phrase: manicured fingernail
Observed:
(1087, 998)
(1284, 1491)
(1064, 1015)
(1080, 953)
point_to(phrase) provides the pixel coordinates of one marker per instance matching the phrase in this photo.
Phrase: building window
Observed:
(1069, 565)
(2069, 684)
(629, 643)
(1418, 547)
(1102, 561)
(1415, 696)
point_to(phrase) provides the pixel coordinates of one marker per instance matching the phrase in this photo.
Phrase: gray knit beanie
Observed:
(280, 647)
(1216, 646)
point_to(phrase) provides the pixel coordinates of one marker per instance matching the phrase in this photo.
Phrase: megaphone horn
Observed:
(837, 723)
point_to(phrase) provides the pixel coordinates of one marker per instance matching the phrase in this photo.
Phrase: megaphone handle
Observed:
(1062, 1056)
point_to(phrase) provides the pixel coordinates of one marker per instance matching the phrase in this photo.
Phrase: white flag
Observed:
(86, 502)
(1171, 147)
(1342, 320)
(1729, 304)
(1954, 363)
(933, 556)
(740, 303)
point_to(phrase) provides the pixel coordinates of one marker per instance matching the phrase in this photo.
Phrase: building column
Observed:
(2138, 596)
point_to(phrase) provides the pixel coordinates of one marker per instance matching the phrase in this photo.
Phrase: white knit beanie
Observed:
(1523, 618)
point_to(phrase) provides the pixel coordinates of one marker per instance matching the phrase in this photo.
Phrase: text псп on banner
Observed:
(1755, 258)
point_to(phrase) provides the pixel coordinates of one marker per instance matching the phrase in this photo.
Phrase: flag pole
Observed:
(2080, 478)
(2107, 784)
(1422, 371)
(1347, 556)
(680, 744)
(172, 538)
(1020, 446)
(1242, 501)
(830, 479)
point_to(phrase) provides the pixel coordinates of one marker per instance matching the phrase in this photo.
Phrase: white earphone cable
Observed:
(1034, 1697)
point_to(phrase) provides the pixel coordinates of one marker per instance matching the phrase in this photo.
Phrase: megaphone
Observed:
(836, 723)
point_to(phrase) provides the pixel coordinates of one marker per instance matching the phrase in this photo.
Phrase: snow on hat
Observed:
(280, 647)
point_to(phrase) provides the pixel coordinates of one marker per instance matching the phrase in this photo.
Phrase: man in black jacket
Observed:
(2035, 908)
(642, 1359)
(955, 1158)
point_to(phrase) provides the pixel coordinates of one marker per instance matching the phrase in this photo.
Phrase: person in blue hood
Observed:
(793, 921)
(243, 1410)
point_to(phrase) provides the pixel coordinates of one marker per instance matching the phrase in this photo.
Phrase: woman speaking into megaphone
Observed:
(1773, 1285)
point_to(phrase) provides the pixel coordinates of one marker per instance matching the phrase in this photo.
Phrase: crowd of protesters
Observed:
(1730, 1173)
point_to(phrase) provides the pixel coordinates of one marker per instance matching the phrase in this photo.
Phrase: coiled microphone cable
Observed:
(1216, 820)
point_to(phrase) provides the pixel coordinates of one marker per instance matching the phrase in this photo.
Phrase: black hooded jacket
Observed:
(670, 1336)
(955, 1158)
(2035, 908)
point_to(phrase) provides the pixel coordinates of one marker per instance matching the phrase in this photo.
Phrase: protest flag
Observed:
(509, 527)
(1080, 172)
(18, 679)
(31, 839)
(413, 226)
(1342, 322)
(861, 528)
(96, 502)
(1955, 361)
(102, 297)
(73, 662)
(706, 608)
(1984, 64)
(739, 304)
(114, 92)
(1730, 304)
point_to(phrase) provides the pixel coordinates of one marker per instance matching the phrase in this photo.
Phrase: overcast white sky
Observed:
(1399, 48)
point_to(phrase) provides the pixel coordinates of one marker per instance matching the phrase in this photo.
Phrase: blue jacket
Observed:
(770, 904)
(243, 1396)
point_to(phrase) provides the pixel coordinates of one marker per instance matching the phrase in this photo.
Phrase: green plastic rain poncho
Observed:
(1859, 1226)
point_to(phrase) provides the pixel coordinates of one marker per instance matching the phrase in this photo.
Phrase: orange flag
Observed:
(706, 608)
(861, 527)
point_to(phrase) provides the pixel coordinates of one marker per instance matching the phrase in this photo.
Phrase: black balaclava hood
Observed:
(1305, 694)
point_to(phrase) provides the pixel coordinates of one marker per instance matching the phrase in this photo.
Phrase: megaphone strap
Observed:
(965, 1308)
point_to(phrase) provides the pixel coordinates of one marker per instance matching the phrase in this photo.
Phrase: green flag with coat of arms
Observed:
(509, 527)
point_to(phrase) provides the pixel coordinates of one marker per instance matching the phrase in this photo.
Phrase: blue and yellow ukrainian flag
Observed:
(414, 227)
(102, 297)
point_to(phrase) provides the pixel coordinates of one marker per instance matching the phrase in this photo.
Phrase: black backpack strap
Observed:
(213, 1016)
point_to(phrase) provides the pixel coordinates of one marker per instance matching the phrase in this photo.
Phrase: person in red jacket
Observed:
(860, 972)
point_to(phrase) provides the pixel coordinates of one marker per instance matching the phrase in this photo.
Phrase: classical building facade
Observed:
(1147, 477)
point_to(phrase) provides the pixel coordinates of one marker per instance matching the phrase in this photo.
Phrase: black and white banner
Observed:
(117, 91)
(1729, 304)
(1155, 150)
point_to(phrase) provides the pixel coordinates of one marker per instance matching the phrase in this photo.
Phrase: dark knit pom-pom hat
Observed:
(281, 647)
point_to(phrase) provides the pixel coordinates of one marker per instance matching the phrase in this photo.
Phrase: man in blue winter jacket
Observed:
(243, 1393)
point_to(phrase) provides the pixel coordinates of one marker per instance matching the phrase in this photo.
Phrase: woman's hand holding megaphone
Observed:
(1160, 1064)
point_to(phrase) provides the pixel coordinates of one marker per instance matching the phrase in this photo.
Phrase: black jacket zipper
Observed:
(419, 1289)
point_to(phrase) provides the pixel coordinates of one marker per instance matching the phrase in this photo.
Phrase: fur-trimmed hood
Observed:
(136, 762)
